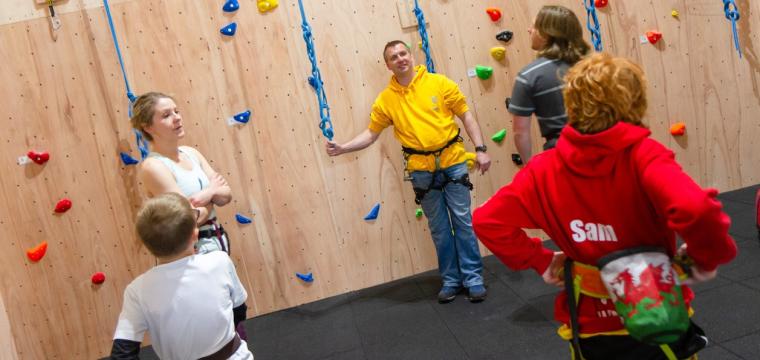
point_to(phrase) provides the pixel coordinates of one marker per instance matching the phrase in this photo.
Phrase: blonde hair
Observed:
(143, 110)
(602, 90)
(165, 224)
(563, 33)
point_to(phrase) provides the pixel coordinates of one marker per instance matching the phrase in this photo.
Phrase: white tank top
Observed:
(189, 181)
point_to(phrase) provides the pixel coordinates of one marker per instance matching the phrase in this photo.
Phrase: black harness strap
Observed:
(419, 193)
(573, 308)
(410, 151)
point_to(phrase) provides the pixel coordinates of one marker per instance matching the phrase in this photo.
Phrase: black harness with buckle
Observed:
(419, 193)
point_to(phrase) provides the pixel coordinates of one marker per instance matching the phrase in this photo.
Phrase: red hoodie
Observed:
(595, 194)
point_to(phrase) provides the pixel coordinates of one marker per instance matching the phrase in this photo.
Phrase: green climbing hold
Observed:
(499, 136)
(418, 213)
(483, 72)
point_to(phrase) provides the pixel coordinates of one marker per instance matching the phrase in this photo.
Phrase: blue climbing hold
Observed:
(242, 219)
(372, 215)
(305, 277)
(243, 117)
(229, 30)
(231, 6)
(127, 159)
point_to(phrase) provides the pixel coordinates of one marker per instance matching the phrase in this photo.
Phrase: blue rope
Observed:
(315, 80)
(142, 144)
(424, 36)
(732, 13)
(592, 23)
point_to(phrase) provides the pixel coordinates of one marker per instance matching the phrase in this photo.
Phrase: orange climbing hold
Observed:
(678, 129)
(38, 252)
(494, 14)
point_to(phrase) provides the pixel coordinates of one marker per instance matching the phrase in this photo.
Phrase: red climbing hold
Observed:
(36, 253)
(678, 129)
(600, 3)
(38, 157)
(63, 205)
(494, 13)
(654, 36)
(98, 278)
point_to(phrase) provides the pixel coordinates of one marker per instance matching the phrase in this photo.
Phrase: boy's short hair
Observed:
(602, 90)
(165, 224)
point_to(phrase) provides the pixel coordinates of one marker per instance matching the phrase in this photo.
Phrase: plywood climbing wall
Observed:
(67, 97)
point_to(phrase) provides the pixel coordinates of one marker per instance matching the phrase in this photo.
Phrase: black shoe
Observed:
(477, 293)
(448, 294)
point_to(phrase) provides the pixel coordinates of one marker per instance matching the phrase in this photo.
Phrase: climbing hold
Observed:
(506, 102)
(229, 30)
(494, 14)
(127, 159)
(372, 215)
(504, 36)
(231, 6)
(600, 3)
(242, 219)
(517, 159)
(267, 5)
(63, 206)
(678, 129)
(36, 253)
(674, 13)
(418, 213)
(38, 157)
(499, 136)
(240, 118)
(305, 277)
(483, 72)
(654, 36)
(498, 53)
(419, 44)
(98, 278)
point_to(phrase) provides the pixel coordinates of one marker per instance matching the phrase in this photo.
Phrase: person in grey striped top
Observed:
(558, 37)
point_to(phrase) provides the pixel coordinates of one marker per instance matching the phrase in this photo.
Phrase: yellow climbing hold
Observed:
(674, 13)
(267, 5)
(498, 52)
(419, 44)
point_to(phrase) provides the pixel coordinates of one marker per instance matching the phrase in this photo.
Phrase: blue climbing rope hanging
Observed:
(732, 14)
(592, 23)
(142, 144)
(315, 80)
(424, 36)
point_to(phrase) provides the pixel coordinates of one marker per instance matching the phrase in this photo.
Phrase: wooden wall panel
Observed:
(67, 97)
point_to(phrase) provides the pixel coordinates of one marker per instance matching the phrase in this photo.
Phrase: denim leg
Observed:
(437, 213)
(459, 202)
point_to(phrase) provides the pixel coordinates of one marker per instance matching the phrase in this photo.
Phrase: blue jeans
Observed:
(450, 223)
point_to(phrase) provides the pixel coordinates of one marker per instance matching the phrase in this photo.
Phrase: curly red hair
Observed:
(602, 90)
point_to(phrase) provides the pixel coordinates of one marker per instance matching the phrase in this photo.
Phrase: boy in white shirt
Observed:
(190, 304)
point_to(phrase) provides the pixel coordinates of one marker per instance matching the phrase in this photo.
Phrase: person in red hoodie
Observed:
(606, 187)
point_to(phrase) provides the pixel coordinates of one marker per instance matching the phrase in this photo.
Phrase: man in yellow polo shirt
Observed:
(421, 107)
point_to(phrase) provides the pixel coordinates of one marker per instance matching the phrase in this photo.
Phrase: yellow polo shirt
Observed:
(422, 115)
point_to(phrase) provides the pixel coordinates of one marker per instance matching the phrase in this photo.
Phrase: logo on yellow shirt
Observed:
(434, 100)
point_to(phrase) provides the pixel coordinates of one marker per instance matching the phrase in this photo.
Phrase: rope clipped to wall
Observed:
(592, 23)
(732, 14)
(424, 36)
(142, 144)
(315, 80)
